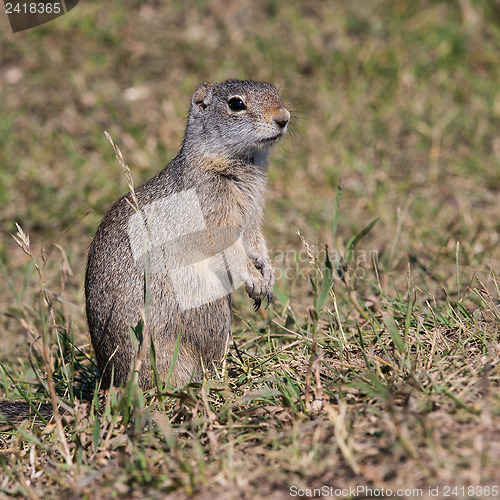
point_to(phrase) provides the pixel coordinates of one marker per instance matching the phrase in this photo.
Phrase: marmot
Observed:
(189, 236)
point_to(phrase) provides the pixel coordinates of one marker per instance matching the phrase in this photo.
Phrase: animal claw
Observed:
(269, 296)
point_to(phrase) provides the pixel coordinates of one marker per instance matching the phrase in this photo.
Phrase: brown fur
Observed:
(224, 160)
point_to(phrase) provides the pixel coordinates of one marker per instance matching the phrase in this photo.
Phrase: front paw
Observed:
(259, 286)
(266, 270)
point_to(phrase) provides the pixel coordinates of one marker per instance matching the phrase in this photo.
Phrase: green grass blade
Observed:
(326, 284)
(351, 244)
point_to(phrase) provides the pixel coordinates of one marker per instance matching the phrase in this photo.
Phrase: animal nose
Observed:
(282, 118)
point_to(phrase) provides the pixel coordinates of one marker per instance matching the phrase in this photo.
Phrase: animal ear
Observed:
(202, 96)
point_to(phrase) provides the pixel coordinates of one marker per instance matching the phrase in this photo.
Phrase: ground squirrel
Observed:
(194, 232)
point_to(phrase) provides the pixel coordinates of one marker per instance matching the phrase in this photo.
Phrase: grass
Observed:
(377, 364)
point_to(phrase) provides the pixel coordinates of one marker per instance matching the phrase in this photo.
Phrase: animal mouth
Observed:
(274, 138)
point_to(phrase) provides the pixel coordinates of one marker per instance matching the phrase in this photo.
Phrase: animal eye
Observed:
(236, 104)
